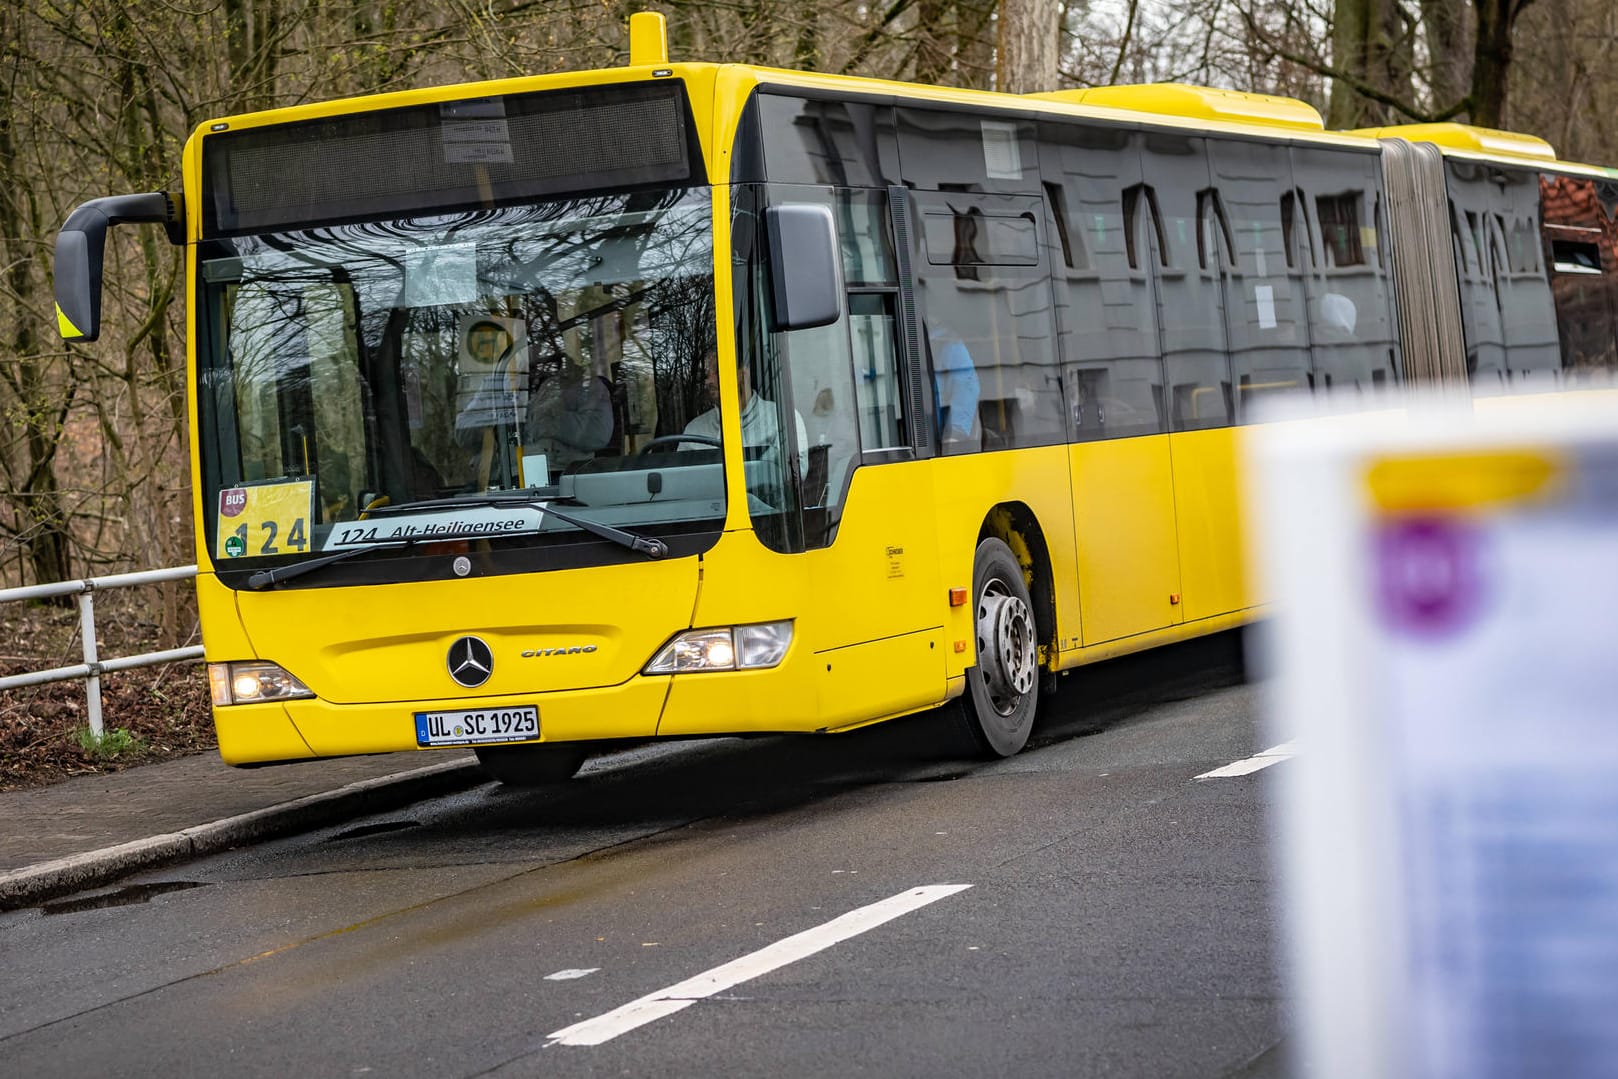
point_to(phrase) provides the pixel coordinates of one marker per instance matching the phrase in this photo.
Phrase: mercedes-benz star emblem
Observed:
(470, 662)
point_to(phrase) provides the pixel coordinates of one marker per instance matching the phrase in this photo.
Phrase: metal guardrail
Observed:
(93, 667)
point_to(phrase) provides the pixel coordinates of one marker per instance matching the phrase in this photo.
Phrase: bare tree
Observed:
(36, 408)
(1391, 62)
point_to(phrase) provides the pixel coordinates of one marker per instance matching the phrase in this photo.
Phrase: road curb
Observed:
(92, 869)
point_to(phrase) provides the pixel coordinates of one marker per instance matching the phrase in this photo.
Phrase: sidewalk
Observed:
(86, 832)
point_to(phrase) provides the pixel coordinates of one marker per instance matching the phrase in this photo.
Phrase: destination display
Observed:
(481, 522)
(446, 156)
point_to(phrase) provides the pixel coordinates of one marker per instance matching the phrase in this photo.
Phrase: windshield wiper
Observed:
(647, 545)
(539, 500)
(266, 578)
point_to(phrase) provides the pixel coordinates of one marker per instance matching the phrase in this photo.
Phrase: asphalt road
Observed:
(873, 904)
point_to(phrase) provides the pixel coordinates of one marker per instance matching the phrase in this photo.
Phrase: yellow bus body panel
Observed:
(1181, 631)
(867, 618)
(1123, 515)
(1197, 102)
(1209, 523)
(390, 643)
(247, 733)
(256, 733)
(812, 691)
(968, 490)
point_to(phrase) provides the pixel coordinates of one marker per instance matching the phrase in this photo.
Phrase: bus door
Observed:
(1129, 573)
(843, 530)
(1192, 250)
(868, 503)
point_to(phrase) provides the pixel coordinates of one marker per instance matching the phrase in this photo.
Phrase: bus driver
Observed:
(760, 422)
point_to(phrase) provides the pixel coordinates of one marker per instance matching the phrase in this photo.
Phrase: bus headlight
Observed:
(253, 681)
(730, 648)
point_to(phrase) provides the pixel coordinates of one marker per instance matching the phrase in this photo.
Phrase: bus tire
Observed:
(1002, 690)
(532, 766)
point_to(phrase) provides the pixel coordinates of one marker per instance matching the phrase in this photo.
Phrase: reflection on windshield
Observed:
(553, 347)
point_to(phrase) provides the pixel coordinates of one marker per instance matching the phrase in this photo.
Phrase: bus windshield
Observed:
(364, 383)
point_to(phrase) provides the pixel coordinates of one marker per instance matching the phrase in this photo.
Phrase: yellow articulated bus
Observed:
(690, 399)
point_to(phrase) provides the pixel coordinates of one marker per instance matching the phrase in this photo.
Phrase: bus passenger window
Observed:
(1111, 373)
(988, 322)
(1577, 217)
(1264, 295)
(1353, 335)
(1340, 228)
(820, 142)
(1192, 237)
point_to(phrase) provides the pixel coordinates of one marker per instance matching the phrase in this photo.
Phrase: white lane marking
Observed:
(569, 975)
(682, 995)
(1273, 755)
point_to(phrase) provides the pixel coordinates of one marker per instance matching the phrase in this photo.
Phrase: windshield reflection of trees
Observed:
(637, 264)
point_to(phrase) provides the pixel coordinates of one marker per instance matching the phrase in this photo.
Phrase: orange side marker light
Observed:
(957, 598)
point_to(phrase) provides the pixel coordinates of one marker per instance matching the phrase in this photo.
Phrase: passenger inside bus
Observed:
(956, 385)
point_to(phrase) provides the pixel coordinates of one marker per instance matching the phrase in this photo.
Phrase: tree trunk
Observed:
(1446, 24)
(1371, 48)
(252, 49)
(1491, 60)
(1028, 35)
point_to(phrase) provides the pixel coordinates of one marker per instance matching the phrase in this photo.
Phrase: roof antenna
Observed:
(648, 39)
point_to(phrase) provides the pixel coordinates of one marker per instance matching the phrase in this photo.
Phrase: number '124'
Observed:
(296, 538)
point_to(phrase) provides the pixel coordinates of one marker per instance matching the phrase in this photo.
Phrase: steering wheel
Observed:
(669, 440)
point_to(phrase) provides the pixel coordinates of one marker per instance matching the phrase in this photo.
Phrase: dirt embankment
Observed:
(148, 714)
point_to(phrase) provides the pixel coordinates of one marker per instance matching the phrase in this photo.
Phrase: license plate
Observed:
(477, 726)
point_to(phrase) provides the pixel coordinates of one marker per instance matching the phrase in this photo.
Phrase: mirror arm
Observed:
(81, 246)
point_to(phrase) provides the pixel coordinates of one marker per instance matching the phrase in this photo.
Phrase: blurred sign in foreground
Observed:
(1444, 646)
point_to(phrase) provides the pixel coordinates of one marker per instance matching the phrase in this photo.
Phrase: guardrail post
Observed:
(92, 683)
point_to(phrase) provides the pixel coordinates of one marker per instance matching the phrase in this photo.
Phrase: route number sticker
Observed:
(267, 519)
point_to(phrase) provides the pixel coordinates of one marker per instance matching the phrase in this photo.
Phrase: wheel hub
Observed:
(1005, 648)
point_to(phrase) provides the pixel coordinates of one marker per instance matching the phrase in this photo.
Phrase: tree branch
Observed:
(1359, 86)
(1123, 42)
(875, 34)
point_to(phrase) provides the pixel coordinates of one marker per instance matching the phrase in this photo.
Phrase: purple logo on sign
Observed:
(1428, 579)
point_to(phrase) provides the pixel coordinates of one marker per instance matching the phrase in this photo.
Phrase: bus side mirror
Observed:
(806, 277)
(82, 243)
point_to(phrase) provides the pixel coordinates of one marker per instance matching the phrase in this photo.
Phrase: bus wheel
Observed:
(532, 766)
(1002, 691)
